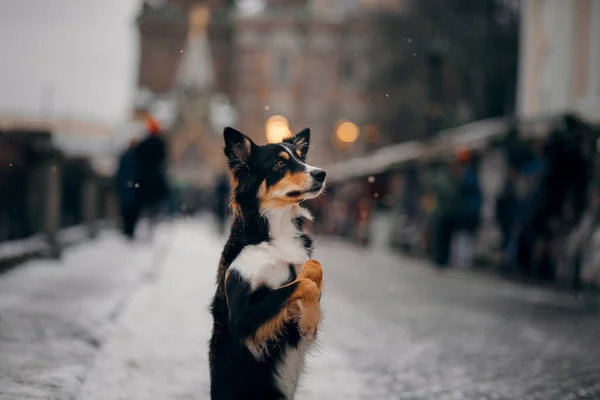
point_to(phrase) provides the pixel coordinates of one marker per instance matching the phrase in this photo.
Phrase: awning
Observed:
(475, 135)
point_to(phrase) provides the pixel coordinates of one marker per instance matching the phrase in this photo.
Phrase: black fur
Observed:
(236, 374)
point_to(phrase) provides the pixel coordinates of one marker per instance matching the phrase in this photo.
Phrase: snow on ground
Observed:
(394, 328)
(158, 350)
(54, 314)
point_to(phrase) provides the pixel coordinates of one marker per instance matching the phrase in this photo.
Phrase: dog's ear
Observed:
(302, 141)
(238, 148)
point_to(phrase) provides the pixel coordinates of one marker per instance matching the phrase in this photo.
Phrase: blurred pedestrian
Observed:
(220, 200)
(444, 186)
(530, 193)
(151, 158)
(507, 204)
(128, 200)
(469, 211)
(362, 219)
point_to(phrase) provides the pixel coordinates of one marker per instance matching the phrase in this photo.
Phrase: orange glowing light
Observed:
(347, 132)
(277, 128)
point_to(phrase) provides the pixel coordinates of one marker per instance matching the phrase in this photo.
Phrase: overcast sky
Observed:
(82, 51)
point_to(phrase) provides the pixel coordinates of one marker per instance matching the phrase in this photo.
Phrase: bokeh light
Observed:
(347, 132)
(277, 128)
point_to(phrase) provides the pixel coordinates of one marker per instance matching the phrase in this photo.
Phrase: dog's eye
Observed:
(280, 164)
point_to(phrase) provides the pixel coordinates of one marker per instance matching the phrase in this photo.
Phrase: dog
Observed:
(266, 309)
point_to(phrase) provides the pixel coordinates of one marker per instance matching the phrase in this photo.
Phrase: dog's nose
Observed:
(318, 175)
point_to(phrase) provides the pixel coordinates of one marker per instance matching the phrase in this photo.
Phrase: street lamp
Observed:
(277, 128)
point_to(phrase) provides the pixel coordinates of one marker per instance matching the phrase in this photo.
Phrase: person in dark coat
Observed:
(151, 182)
(467, 218)
(128, 201)
(443, 184)
(507, 204)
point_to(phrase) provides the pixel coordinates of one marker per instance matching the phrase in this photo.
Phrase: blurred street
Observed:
(117, 320)
(459, 230)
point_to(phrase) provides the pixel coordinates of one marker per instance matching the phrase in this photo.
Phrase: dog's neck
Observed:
(284, 232)
(273, 223)
(281, 228)
(282, 221)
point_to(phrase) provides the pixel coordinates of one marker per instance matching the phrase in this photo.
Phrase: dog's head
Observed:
(273, 175)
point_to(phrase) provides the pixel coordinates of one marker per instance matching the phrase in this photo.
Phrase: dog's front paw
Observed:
(306, 291)
(310, 317)
(312, 270)
(305, 307)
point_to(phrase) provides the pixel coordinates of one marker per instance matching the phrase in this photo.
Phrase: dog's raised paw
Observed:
(310, 317)
(312, 270)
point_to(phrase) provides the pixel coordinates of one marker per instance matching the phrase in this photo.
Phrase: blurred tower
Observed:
(195, 74)
(183, 52)
(162, 28)
(220, 38)
(193, 142)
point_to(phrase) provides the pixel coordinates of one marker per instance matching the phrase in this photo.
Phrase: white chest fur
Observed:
(290, 368)
(268, 263)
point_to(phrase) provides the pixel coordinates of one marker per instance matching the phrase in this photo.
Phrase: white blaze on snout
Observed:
(307, 168)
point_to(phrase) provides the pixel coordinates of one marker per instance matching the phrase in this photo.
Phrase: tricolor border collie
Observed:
(266, 307)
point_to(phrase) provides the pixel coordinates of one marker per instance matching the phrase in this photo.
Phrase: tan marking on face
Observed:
(276, 196)
(295, 181)
(284, 155)
(299, 153)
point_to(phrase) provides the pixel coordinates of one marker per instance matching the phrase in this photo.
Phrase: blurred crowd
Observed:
(543, 217)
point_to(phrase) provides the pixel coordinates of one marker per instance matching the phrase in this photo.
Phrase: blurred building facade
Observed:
(392, 70)
(308, 61)
(361, 74)
(560, 58)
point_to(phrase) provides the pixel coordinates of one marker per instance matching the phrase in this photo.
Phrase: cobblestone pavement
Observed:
(395, 329)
